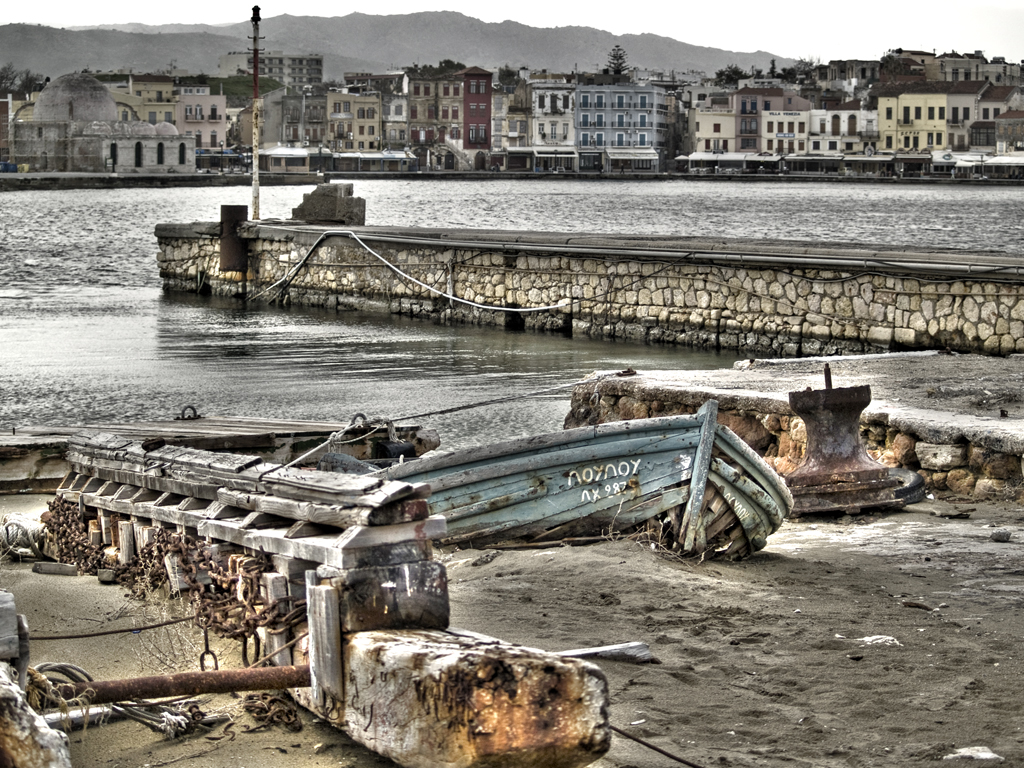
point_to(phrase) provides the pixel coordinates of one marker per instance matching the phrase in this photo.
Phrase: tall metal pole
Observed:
(257, 110)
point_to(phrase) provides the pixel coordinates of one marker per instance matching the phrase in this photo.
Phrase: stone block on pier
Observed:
(332, 204)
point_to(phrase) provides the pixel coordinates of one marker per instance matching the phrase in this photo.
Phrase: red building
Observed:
(476, 114)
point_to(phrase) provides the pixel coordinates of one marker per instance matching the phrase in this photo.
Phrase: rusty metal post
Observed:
(837, 474)
(188, 684)
(233, 253)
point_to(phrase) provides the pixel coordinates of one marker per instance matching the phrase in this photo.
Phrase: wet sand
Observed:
(761, 662)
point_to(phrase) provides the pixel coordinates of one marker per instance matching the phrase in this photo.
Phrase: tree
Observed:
(730, 76)
(893, 64)
(772, 72)
(617, 60)
(14, 80)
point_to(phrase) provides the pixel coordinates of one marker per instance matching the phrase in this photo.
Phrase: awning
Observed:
(699, 156)
(763, 158)
(732, 157)
(869, 158)
(555, 151)
(631, 153)
(285, 152)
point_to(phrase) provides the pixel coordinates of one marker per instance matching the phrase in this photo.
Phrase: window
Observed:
(152, 118)
(767, 105)
(426, 90)
(472, 133)
(620, 139)
(455, 90)
(599, 100)
(540, 102)
(431, 112)
(942, 113)
(995, 113)
(585, 120)
(816, 145)
(748, 143)
(585, 101)
(938, 139)
(362, 130)
(916, 138)
(599, 139)
(790, 128)
(472, 89)
(160, 153)
(801, 129)
(643, 121)
(833, 146)
(455, 113)
(931, 116)
(415, 91)
(931, 139)
(138, 153)
(984, 113)
(906, 142)
(643, 102)
(771, 126)
(447, 89)
(398, 110)
(967, 114)
(954, 114)
(371, 130)
(716, 128)
(444, 113)
(888, 113)
(917, 113)
(401, 134)
(800, 144)
(371, 113)
(620, 101)
(620, 121)
(707, 144)
(412, 112)
(584, 139)
(565, 101)
(361, 113)
(888, 142)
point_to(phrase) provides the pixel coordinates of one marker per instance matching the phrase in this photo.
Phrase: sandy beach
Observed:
(762, 662)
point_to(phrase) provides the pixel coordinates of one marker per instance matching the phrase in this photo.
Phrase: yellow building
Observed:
(914, 116)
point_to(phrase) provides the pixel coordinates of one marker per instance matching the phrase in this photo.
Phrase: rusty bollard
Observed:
(837, 474)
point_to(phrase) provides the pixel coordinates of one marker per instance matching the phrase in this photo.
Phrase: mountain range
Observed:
(357, 42)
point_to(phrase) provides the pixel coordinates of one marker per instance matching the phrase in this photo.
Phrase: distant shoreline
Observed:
(11, 182)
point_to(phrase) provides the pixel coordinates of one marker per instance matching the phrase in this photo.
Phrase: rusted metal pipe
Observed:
(188, 684)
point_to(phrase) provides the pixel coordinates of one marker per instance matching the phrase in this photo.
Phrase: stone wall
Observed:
(973, 463)
(774, 299)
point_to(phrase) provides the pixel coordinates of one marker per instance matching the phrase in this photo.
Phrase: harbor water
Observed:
(87, 334)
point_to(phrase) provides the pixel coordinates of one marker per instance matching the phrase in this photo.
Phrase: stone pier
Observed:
(764, 298)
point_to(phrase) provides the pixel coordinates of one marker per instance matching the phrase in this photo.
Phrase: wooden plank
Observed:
(275, 586)
(301, 529)
(380, 555)
(325, 652)
(311, 485)
(458, 701)
(238, 499)
(126, 542)
(691, 528)
(636, 652)
(408, 596)
(359, 537)
(343, 516)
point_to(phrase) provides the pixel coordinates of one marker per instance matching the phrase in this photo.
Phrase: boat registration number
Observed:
(603, 473)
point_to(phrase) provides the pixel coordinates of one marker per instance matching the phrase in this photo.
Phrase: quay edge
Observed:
(769, 298)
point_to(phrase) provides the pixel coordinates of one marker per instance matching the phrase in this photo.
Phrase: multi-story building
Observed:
(852, 76)
(849, 128)
(713, 124)
(436, 104)
(286, 68)
(304, 119)
(201, 114)
(620, 125)
(394, 120)
(753, 120)
(942, 114)
(956, 67)
(477, 95)
(1010, 131)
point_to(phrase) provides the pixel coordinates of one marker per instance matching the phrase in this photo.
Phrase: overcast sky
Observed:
(830, 31)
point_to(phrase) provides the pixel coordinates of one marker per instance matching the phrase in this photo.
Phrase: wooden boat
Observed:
(712, 492)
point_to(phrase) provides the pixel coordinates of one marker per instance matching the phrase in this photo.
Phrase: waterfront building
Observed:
(848, 128)
(200, 113)
(435, 119)
(477, 94)
(1010, 131)
(545, 125)
(73, 126)
(942, 114)
(621, 125)
(395, 120)
(286, 68)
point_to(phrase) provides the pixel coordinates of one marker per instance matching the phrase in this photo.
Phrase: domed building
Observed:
(74, 128)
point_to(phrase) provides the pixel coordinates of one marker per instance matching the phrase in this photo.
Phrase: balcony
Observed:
(193, 118)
